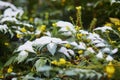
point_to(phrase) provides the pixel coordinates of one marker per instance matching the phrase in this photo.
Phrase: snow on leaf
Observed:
(10, 19)
(114, 51)
(100, 45)
(64, 51)
(9, 12)
(6, 4)
(4, 28)
(90, 49)
(52, 48)
(26, 46)
(103, 29)
(40, 63)
(99, 55)
(109, 58)
(71, 52)
(106, 50)
(22, 56)
(81, 45)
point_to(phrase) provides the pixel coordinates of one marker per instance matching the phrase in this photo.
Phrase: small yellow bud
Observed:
(118, 28)
(80, 52)
(113, 42)
(54, 62)
(67, 45)
(6, 43)
(69, 63)
(23, 29)
(62, 61)
(108, 24)
(10, 69)
(54, 24)
(79, 8)
(19, 35)
(77, 58)
(77, 28)
(79, 35)
(110, 70)
(32, 69)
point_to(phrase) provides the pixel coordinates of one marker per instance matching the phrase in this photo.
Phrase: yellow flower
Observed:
(23, 29)
(108, 24)
(10, 69)
(62, 61)
(78, 7)
(6, 43)
(67, 45)
(80, 52)
(110, 70)
(19, 35)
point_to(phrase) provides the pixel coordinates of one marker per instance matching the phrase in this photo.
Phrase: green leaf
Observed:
(40, 63)
(10, 61)
(52, 48)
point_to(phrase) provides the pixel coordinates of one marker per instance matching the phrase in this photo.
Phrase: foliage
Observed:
(45, 48)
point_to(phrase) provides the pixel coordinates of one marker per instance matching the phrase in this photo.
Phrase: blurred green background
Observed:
(63, 9)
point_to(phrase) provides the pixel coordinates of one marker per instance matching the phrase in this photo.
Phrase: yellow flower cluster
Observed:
(42, 28)
(110, 70)
(79, 35)
(61, 62)
(77, 28)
